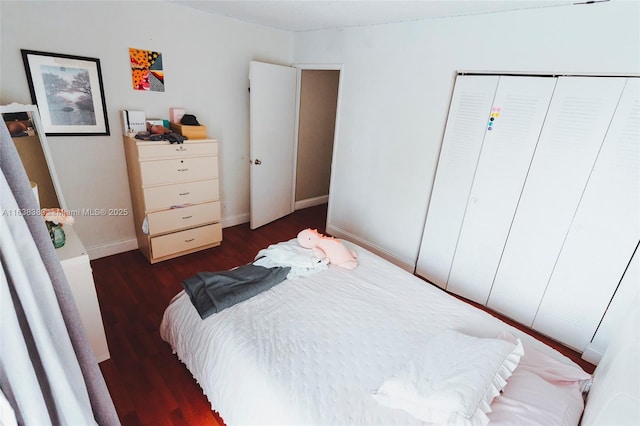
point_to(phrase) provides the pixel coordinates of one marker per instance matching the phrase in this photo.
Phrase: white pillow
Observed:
(454, 381)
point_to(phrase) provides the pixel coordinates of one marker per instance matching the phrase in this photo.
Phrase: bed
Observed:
(370, 346)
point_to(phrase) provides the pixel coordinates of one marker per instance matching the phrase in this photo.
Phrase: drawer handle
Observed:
(187, 217)
(184, 193)
(189, 240)
(181, 149)
(182, 170)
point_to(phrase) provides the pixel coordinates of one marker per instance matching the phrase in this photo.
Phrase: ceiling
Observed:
(308, 15)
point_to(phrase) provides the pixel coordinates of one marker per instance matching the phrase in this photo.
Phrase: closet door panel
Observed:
(603, 235)
(462, 142)
(517, 115)
(579, 115)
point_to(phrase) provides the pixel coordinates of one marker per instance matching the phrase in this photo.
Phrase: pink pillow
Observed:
(541, 390)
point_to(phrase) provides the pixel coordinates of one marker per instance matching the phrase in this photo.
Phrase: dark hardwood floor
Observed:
(148, 384)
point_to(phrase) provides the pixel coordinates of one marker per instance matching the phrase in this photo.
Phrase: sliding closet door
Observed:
(464, 134)
(603, 235)
(512, 132)
(578, 118)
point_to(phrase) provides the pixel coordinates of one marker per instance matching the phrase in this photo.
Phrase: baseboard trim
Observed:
(103, 357)
(592, 354)
(340, 233)
(311, 202)
(111, 248)
(234, 220)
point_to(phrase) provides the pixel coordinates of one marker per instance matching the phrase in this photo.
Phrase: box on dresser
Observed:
(175, 196)
(175, 114)
(191, 132)
(133, 122)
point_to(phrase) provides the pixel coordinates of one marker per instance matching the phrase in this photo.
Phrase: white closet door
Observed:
(512, 132)
(578, 118)
(464, 133)
(603, 235)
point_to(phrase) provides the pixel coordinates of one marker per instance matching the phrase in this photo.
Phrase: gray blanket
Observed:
(211, 292)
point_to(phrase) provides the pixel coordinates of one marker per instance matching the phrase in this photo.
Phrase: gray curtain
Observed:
(48, 372)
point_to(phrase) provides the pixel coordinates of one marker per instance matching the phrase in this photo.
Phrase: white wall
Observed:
(206, 62)
(397, 82)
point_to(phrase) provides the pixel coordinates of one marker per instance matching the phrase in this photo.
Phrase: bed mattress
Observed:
(312, 350)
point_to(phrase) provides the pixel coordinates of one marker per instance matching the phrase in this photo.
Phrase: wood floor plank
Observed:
(148, 384)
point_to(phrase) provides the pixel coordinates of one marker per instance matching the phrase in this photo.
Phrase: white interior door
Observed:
(272, 141)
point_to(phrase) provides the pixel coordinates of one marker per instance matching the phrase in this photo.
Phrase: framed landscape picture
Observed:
(69, 93)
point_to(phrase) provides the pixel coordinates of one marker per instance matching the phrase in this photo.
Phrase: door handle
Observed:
(257, 162)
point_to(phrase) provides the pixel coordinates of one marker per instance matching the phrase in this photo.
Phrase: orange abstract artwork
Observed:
(146, 70)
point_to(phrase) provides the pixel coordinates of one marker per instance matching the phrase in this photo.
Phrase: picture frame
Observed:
(69, 93)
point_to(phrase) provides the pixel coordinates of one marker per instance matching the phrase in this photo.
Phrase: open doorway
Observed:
(318, 106)
(292, 119)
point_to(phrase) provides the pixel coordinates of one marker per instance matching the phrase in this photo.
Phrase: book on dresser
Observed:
(175, 196)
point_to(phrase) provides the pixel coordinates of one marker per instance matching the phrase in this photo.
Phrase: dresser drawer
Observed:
(151, 150)
(157, 172)
(188, 239)
(185, 217)
(165, 196)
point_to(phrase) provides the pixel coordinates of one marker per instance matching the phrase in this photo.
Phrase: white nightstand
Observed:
(77, 269)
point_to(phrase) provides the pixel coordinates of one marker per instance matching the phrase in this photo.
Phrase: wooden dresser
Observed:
(175, 195)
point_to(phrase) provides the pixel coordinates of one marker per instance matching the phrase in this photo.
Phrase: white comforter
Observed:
(312, 350)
